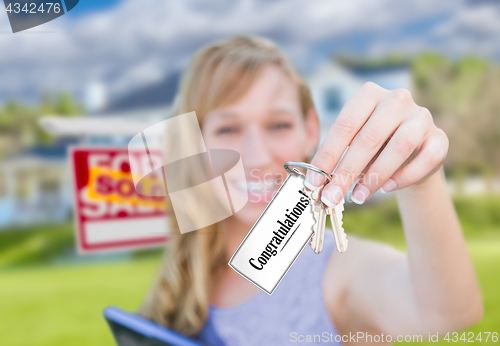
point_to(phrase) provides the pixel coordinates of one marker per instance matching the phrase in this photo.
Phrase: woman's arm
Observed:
(394, 144)
(375, 289)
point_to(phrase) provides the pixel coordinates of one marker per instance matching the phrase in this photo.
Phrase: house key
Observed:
(338, 231)
(319, 213)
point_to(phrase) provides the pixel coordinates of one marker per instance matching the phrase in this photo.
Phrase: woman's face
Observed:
(267, 127)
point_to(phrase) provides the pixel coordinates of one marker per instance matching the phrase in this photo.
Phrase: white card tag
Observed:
(277, 238)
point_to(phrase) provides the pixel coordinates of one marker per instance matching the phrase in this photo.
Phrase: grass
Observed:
(44, 304)
(38, 244)
(49, 306)
(480, 220)
(486, 257)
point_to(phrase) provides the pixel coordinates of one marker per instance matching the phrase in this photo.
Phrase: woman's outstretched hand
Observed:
(373, 119)
(433, 288)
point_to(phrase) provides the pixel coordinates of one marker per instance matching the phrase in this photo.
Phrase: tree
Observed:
(464, 98)
(19, 123)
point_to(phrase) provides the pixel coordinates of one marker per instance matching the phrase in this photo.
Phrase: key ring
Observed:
(308, 166)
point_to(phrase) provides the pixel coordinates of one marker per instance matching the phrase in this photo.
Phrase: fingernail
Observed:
(332, 196)
(313, 180)
(388, 186)
(360, 194)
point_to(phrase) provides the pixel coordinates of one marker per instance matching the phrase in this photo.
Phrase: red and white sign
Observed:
(109, 213)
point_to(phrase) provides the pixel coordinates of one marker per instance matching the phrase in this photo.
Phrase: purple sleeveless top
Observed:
(293, 313)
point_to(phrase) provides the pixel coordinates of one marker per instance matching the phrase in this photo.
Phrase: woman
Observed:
(249, 98)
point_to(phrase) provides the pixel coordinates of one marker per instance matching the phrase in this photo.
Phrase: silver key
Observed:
(338, 230)
(318, 228)
(319, 214)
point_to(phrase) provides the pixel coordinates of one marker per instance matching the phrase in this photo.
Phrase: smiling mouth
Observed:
(257, 191)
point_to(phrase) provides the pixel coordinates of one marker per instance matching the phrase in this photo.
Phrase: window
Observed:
(332, 98)
(22, 190)
(49, 187)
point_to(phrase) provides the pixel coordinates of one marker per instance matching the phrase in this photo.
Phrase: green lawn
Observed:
(43, 304)
(51, 306)
(35, 244)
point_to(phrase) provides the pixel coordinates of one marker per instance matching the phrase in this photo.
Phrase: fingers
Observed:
(408, 137)
(428, 160)
(369, 118)
(381, 125)
(351, 119)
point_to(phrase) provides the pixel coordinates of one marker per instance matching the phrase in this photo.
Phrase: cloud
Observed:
(137, 42)
(473, 30)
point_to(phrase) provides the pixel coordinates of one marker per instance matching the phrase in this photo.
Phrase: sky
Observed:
(126, 44)
(86, 7)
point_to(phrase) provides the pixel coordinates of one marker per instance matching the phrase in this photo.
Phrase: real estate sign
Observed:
(109, 213)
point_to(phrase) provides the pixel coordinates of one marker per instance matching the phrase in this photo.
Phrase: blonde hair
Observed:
(218, 74)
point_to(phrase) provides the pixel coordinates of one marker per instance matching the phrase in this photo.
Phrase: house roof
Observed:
(41, 155)
(110, 124)
(157, 95)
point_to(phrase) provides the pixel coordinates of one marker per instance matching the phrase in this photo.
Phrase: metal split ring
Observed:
(308, 166)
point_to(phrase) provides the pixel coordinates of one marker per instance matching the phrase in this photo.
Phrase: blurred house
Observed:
(331, 85)
(113, 126)
(34, 187)
(115, 123)
(105, 129)
(334, 82)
